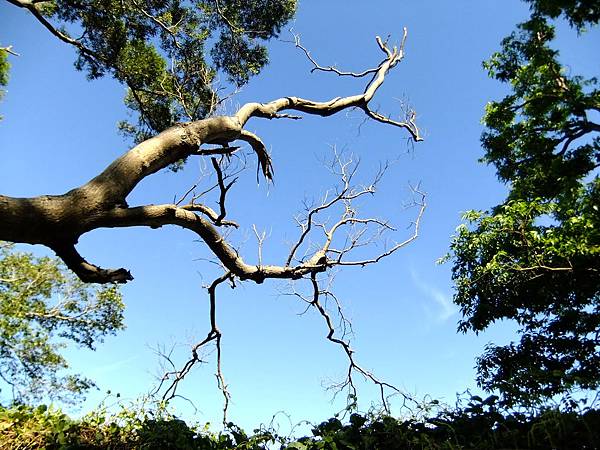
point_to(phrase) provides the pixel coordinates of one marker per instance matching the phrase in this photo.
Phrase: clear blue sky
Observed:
(59, 130)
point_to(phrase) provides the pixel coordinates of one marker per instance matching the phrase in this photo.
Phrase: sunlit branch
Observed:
(318, 67)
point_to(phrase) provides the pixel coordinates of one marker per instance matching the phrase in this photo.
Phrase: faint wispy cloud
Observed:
(445, 307)
(113, 366)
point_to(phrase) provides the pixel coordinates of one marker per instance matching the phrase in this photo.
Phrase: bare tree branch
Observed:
(333, 69)
(353, 367)
(323, 258)
(175, 376)
(58, 221)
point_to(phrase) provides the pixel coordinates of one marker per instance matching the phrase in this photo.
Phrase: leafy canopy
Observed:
(167, 53)
(535, 258)
(43, 306)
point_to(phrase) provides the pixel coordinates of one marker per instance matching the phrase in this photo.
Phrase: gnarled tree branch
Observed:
(353, 232)
(59, 221)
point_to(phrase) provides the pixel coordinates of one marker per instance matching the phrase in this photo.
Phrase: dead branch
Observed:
(322, 258)
(171, 379)
(333, 69)
(58, 221)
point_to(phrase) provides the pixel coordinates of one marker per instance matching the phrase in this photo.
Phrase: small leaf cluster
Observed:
(43, 307)
(476, 423)
(4, 71)
(4, 68)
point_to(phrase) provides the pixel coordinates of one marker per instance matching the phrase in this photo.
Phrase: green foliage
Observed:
(133, 427)
(43, 306)
(168, 54)
(534, 259)
(478, 424)
(577, 12)
(509, 266)
(4, 70)
(540, 138)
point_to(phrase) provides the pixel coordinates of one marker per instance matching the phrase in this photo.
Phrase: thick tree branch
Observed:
(59, 221)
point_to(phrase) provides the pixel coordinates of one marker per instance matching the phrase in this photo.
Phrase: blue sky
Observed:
(59, 130)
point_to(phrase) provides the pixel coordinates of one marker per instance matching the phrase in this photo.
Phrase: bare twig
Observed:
(9, 50)
(333, 69)
(176, 376)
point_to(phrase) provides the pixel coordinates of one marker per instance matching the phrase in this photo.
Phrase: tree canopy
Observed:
(534, 259)
(168, 54)
(43, 307)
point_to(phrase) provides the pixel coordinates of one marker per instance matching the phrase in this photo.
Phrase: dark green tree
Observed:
(43, 307)
(167, 53)
(535, 258)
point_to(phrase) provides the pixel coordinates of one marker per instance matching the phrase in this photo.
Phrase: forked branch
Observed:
(171, 379)
(59, 221)
(350, 232)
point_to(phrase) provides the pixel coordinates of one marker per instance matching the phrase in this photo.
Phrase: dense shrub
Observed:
(477, 425)
(24, 427)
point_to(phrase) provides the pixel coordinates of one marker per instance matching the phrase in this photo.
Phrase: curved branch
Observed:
(90, 273)
(261, 152)
(333, 69)
(156, 216)
(59, 221)
(270, 110)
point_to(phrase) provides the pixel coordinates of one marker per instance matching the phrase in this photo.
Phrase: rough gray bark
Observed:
(58, 221)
